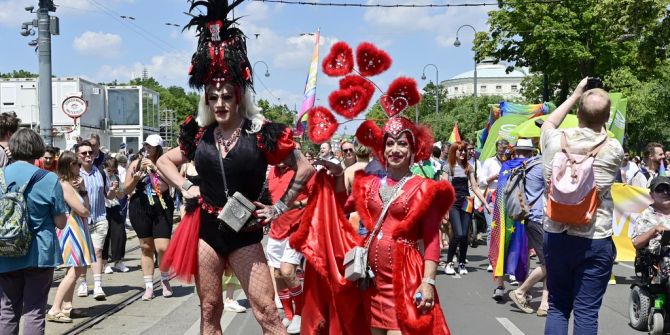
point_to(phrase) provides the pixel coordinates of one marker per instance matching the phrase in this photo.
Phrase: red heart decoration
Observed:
(372, 61)
(370, 135)
(405, 87)
(393, 105)
(356, 80)
(321, 124)
(339, 61)
(349, 102)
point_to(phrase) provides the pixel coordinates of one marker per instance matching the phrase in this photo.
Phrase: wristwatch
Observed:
(186, 185)
(429, 281)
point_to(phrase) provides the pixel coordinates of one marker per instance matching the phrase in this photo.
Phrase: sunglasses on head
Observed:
(86, 153)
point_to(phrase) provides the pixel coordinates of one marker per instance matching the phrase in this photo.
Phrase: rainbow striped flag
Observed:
(508, 252)
(310, 89)
(455, 134)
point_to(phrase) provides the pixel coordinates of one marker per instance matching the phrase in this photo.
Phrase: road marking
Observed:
(627, 266)
(511, 328)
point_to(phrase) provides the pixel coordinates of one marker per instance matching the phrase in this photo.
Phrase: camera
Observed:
(594, 82)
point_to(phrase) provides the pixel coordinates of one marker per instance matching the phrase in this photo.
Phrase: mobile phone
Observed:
(594, 82)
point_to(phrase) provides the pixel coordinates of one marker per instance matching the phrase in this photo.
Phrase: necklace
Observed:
(386, 192)
(226, 143)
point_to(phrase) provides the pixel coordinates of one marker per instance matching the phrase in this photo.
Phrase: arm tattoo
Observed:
(297, 162)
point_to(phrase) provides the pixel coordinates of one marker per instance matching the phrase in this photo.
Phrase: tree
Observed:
(277, 113)
(569, 40)
(19, 74)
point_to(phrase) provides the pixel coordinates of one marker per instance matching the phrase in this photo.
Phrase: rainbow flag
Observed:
(455, 135)
(508, 252)
(310, 90)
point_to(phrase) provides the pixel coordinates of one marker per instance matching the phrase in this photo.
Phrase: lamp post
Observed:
(457, 44)
(267, 71)
(437, 82)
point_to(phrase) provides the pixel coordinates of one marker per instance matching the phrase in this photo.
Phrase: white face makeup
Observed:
(223, 103)
(397, 152)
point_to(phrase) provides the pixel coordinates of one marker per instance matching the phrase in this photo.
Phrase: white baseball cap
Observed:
(154, 140)
(524, 144)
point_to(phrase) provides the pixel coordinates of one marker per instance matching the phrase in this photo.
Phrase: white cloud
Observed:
(168, 68)
(12, 12)
(100, 44)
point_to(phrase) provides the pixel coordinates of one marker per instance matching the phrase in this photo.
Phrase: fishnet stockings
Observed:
(250, 267)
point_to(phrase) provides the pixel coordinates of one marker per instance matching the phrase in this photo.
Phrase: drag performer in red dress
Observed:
(228, 131)
(404, 253)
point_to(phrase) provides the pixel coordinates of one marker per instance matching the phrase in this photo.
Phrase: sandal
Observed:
(58, 318)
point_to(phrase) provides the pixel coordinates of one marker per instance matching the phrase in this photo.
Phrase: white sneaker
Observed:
(108, 270)
(233, 306)
(121, 267)
(462, 270)
(489, 268)
(449, 269)
(286, 322)
(99, 294)
(513, 281)
(294, 327)
(83, 289)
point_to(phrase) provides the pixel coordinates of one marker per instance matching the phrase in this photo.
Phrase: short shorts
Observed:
(278, 251)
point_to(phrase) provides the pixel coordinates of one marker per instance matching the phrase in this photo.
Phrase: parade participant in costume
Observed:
(231, 145)
(150, 211)
(401, 297)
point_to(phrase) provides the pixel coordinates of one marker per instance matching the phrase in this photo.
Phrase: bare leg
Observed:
(208, 284)
(69, 295)
(251, 269)
(377, 331)
(539, 273)
(65, 289)
(162, 246)
(147, 261)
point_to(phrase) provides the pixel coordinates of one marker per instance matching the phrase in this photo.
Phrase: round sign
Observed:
(74, 107)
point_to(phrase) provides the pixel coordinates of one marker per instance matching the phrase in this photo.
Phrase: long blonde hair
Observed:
(249, 110)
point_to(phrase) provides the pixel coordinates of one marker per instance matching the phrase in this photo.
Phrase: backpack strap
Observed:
(3, 184)
(593, 153)
(37, 176)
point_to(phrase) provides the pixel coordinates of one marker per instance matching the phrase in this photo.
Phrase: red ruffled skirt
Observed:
(181, 258)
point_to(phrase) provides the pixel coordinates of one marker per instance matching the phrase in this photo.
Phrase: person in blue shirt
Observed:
(25, 281)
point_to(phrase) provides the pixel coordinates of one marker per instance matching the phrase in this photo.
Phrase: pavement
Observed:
(466, 301)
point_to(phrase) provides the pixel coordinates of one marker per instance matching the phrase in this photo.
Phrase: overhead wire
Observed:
(398, 5)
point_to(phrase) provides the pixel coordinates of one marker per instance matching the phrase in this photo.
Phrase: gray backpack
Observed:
(514, 194)
(15, 235)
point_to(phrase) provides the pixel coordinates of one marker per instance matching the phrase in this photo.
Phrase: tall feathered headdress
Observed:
(222, 51)
(355, 94)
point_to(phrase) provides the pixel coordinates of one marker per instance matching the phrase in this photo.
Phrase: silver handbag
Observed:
(237, 211)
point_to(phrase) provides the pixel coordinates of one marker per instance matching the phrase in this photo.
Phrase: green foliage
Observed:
(570, 40)
(277, 113)
(19, 74)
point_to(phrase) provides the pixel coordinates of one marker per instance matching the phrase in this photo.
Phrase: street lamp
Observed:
(267, 71)
(437, 82)
(457, 44)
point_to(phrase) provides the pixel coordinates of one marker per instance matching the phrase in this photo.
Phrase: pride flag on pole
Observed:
(310, 90)
(455, 135)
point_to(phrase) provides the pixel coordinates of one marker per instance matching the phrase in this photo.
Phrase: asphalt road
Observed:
(466, 301)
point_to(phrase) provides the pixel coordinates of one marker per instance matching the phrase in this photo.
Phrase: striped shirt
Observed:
(96, 194)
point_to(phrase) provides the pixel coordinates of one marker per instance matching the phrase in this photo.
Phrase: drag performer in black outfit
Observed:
(228, 125)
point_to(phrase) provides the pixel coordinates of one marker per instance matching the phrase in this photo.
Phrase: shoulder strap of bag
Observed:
(223, 171)
(383, 213)
(566, 150)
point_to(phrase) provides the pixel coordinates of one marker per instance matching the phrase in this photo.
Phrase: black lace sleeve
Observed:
(189, 135)
(276, 141)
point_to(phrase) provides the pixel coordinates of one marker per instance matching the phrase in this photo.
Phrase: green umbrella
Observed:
(529, 129)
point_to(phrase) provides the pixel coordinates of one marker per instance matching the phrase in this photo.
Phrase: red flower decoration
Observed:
(372, 61)
(321, 124)
(405, 87)
(349, 102)
(370, 135)
(340, 60)
(356, 80)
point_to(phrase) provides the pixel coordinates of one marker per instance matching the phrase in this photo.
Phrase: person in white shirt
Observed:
(488, 180)
(628, 169)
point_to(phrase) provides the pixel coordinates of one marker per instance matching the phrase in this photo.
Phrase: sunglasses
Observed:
(86, 153)
(663, 188)
(348, 150)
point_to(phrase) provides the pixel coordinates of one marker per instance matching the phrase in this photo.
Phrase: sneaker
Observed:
(513, 281)
(489, 268)
(521, 303)
(449, 269)
(294, 327)
(108, 270)
(148, 293)
(462, 270)
(83, 289)
(121, 267)
(498, 294)
(233, 306)
(286, 322)
(167, 289)
(99, 294)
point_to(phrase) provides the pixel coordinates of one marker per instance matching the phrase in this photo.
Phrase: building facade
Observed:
(118, 114)
(492, 79)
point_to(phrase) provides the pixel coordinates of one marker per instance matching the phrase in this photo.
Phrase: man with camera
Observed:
(578, 242)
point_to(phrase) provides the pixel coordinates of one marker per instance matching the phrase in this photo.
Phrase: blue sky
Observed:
(97, 44)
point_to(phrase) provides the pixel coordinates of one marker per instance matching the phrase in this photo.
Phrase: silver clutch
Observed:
(355, 263)
(237, 211)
